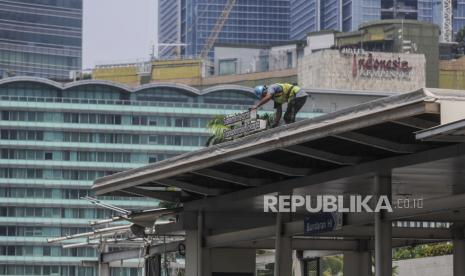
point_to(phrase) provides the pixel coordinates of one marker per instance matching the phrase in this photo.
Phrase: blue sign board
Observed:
(322, 222)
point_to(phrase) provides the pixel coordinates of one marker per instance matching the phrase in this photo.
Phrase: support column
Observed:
(298, 265)
(383, 228)
(283, 250)
(358, 263)
(153, 266)
(103, 269)
(459, 249)
(194, 249)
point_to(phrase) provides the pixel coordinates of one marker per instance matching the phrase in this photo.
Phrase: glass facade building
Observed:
(341, 15)
(254, 22)
(304, 18)
(41, 38)
(55, 139)
(168, 25)
(348, 15)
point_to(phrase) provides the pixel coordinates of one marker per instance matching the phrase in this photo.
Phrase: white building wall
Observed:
(246, 58)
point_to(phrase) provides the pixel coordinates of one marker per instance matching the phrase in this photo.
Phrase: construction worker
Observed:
(281, 93)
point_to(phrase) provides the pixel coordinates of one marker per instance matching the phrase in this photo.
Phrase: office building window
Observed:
(227, 67)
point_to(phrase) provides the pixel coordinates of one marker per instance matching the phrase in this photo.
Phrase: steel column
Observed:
(199, 243)
(153, 266)
(383, 228)
(283, 250)
(459, 249)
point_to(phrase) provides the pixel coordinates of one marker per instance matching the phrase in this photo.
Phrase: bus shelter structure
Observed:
(404, 146)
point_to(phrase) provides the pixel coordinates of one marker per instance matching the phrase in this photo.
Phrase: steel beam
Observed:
(416, 123)
(378, 143)
(322, 155)
(161, 195)
(227, 177)
(297, 229)
(138, 253)
(336, 245)
(272, 167)
(190, 187)
(430, 207)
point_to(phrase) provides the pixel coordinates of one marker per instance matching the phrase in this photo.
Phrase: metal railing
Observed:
(122, 102)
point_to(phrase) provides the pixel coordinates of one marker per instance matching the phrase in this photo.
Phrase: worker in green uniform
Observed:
(282, 93)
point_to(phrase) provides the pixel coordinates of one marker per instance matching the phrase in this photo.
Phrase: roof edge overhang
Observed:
(363, 115)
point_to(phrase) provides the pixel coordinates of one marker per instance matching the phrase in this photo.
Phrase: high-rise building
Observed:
(348, 15)
(169, 32)
(304, 18)
(253, 22)
(55, 139)
(458, 17)
(341, 15)
(40, 38)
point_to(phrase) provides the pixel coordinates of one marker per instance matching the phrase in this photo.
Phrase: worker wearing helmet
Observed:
(282, 93)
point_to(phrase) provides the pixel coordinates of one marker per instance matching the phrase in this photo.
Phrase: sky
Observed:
(118, 31)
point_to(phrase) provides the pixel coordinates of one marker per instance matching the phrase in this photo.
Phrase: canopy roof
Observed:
(335, 153)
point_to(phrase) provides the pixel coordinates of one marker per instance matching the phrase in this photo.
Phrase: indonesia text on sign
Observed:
(247, 128)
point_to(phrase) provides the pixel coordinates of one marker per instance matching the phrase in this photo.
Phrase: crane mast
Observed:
(447, 20)
(217, 28)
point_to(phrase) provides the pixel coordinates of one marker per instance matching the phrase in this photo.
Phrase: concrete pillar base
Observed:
(357, 264)
(104, 269)
(459, 257)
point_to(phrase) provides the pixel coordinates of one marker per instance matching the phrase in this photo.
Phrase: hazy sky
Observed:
(118, 30)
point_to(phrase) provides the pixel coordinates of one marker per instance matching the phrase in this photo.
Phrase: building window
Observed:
(289, 60)
(48, 156)
(227, 67)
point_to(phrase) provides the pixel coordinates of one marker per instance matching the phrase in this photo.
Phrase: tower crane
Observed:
(217, 28)
(447, 20)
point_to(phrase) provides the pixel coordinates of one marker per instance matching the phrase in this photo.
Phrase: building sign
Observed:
(322, 222)
(243, 124)
(247, 128)
(374, 68)
(349, 52)
(239, 118)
